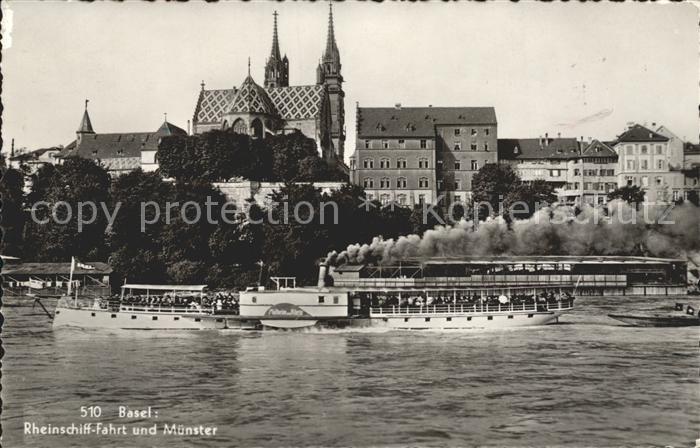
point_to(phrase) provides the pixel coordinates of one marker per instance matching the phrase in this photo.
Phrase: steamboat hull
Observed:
(656, 321)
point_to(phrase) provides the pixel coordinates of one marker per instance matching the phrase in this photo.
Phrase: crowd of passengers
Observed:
(219, 302)
(546, 297)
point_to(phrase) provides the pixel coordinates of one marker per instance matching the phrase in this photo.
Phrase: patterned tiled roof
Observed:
(297, 102)
(251, 98)
(213, 104)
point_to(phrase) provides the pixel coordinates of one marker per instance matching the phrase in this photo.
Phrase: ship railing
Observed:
(473, 308)
(166, 309)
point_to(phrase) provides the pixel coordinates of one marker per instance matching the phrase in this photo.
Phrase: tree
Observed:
(77, 184)
(491, 185)
(631, 194)
(524, 201)
(13, 215)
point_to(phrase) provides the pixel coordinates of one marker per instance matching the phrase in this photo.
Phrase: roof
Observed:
(197, 288)
(55, 268)
(532, 259)
(348, 268)
(35, 154)
(418, 121)
(212, 104)
(536, 148)
(597, 149)
(126, 145)
(298, 102)
(639, 133)
(691, 148)
(251, 98)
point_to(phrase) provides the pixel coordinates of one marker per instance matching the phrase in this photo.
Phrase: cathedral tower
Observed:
(328, 74)
(277, 67)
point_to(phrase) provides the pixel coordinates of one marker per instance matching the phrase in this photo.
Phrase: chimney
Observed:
(12, 150)
(589, 139)
(582, 139)
(430, 105)
(397, 106)
(546, 139)
(541, 142)
(559, 135)
(188, 127)
(322, 269)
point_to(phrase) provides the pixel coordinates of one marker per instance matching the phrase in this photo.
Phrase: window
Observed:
(645, 164)
(457, 131)
(473, 146)
(368, 163)
(113, 316)
(352, 164)
(254, 300)
(555, 173)
(321, 299)
(384, 182)
(335, 299)
(659, 149)
(133, 317)
(629, 149)
(645, 149)
(120, 152)
(458, 146)
(401, 199)
(659, 181)
(384, 199)
(474, 132)
(423, 144)
(486, 131)
(401, 163)
(660, 164)
(577, 172)
(458, 165)
(587, 186)
(176, 318)
(154, 317)
(439, 184)
(385, 144)
(645, 181)
(423, 163)
(448, 319)
(423, 182)
(421, 198)
(401, 182)
(94, 152)
(92, 314)
(630, 180)
(676, 195)
(486, 146)
(366, 144)
(402, 144)
(490, 318)
(427, 319)
(458, 184)
(475, 165)
(368, 182)
(384, 163)
(630, 164)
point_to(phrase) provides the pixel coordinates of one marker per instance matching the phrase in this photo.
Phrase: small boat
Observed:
(661, 320)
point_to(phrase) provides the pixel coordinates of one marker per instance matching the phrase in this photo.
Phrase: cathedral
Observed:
(277, 108)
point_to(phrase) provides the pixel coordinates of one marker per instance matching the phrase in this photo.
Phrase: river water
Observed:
(587, 381)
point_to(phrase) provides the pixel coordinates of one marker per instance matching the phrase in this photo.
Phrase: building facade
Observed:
(416, 155)
(644, 160)
(278, 108)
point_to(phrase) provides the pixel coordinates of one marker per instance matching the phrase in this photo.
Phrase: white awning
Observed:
(196, 288)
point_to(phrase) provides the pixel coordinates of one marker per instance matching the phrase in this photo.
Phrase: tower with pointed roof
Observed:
(85, 125)
(328, 73)
(277, 67)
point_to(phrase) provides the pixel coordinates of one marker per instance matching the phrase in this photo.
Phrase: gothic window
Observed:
(257, 128)
(423, 162)
(384, 182)
(384, 199)
(368, 163)
(401, 163)
(401, 182)
(368, 182)
(239, 127)
(423, 182)
(384, 163)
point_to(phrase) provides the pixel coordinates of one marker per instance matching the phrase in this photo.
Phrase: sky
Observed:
(579, 69)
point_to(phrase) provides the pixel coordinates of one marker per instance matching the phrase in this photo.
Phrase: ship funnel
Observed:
(322, 270)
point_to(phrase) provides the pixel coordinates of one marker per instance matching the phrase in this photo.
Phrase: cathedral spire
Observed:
(331, 53)
(275, 53)
(277, 68)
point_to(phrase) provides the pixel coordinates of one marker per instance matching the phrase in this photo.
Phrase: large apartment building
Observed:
(410, 155)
